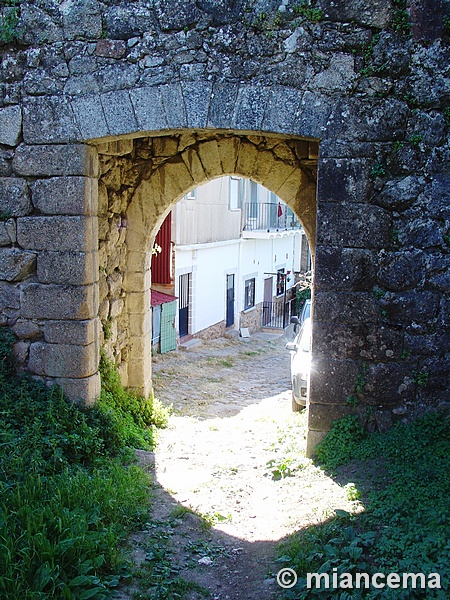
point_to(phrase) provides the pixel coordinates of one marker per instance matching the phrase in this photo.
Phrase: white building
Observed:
(235, 247)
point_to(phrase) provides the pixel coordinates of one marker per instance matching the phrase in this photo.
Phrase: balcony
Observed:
(268, 218)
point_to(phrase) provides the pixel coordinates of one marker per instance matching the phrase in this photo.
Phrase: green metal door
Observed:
(168, 332)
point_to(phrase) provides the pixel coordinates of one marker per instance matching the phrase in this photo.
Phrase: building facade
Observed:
(235, 250)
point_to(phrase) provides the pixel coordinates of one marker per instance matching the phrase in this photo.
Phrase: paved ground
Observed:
(232, 437)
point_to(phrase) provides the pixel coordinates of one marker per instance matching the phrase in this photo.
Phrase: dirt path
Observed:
(234, 455)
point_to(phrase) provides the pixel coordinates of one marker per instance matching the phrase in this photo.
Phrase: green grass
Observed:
(403, 480)
(70, 489)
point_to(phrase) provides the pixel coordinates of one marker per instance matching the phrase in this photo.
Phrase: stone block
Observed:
(313, 438)
(10, 125)
(246, 158)
(193, 163)
(208, 152)
(197, 96)
(81, 19)
(63, 360)
(228, 152)
(140, 324)
(346, 307)
(222, 105)
(250, 106)
(27, 330)
(313, 115)
(345, 180)
(15, 264)
(110, 48)
(401, 270)
(14, 197)
(376, 13)
(9, 296)
(148, 108)
(322, 416)
(8, 232)
(281, 109)
(49, 120)
(339, 269)
(338, 77)
(71, 268)
(80, 333)
(410, 307)
(119, 112)
(388, 384)
(173, 102)
(66, 195)
(85, 390)
(116, 148)
(332, 380)
(58, 233)
(56, 160)
(41, 301)
(353, 225)
(90, 117)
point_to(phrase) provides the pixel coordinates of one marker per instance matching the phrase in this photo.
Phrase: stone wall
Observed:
(157, 90)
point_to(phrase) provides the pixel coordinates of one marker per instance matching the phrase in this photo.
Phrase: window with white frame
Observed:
(235, 195)
(281, 282)
(249, 293)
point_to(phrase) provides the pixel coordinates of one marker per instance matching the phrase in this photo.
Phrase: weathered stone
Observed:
(361, 225)
(123, 22)
(55, 160)
(49, 120)
(118, 112)
(84, 390)
(116, 148)
(110, 48)
(221, 108)
(9, 296)
(15, 264)
(14, 197)
(20, 350)
(313, 115)
(281, 109)
(58, 301)
(27, 330)
(196, 100)
(340, 75)
(410, 307)
(401, 270)
(36, 26)
(90, 117)
(149, 110)
(377, 13)
(81, 19)
(65, 195)
(250, 106)
(174, 108)
(346, 307)
(81, 333)
(400, 194)
(387, 384)
(351, 269)
(63, 360)
(177, 14)
(10, 125)
(322, 416)
(344, 180)
(57, 233)
(72, 268)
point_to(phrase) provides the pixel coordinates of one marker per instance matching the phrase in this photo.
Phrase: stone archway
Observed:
(175, 165)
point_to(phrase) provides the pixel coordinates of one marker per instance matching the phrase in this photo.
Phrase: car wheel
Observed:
(296, 407)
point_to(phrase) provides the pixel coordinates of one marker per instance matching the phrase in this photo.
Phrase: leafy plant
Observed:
(401, 22)
(360, 382)
(9, 19)
(378, 170)
(340, 443)
(303, 9)
(422, 378)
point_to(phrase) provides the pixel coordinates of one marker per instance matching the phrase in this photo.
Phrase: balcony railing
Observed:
(267, 216)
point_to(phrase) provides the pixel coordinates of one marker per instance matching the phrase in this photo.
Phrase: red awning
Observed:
(158, 298)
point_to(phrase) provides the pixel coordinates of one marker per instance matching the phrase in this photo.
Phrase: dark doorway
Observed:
(183, 304)
(230, 301)
(268, 297)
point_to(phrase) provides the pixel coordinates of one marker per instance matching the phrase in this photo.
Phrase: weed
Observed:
(303, 9)
(5, 215)
(397, 145)
(360, 382)
(401, 22)
(405, 354)
(405, 524)
(446, 24)
(378, 170)
(422, 378)
(340, 443)
(415, 139)
(9, 19)
(395, 235)
(352, 492)
(226, 363)
(446, 113)
(68, 493)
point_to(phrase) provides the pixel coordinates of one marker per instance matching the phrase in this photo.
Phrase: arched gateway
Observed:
(89, 172)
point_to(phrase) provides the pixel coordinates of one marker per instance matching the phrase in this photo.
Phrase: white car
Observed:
(300, 365)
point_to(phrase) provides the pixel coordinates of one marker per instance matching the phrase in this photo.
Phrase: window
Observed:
(192, 195)
(249, 294)
(281, 282)
(235, 199)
